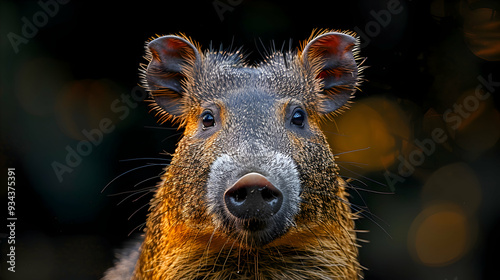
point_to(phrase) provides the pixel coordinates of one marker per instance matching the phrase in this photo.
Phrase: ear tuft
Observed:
(170, 58)
(331, 56)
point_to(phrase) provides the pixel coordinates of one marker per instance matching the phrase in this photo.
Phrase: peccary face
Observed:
(252, 138)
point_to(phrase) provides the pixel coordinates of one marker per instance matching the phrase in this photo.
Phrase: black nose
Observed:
(253, 197)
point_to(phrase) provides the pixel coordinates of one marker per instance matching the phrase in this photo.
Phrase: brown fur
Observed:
(183, 242)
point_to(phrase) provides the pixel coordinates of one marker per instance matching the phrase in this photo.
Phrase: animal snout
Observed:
(253, 197)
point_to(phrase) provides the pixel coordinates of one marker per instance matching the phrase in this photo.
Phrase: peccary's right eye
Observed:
(208, 120)
(298, 117)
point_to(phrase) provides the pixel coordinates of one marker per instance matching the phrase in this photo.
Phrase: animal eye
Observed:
(208, 120)
(298, 117)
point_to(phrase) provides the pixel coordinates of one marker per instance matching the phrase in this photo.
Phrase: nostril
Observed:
(238, 196)
(269, 195)
(253, 197)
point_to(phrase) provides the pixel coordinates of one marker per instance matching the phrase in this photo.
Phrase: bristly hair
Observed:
(317, 63)
(237, 55)
(156, 109)
(182, 240)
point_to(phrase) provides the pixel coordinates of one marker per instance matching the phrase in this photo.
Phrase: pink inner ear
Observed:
(174, 48)
(330, 44)
(335, 72)
(334, 45)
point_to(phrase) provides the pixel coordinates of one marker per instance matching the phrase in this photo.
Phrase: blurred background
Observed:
(420, 145)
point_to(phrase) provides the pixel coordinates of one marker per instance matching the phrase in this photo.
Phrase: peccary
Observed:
(253, 190)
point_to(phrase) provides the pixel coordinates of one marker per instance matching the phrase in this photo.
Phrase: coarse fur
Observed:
(190, 234)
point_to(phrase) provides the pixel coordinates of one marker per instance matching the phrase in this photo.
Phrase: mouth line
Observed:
(257, 232)
(252, 225)
(254, 197)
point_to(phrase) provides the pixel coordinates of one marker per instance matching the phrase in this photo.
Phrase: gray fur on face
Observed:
(278, 168)
(262, 118)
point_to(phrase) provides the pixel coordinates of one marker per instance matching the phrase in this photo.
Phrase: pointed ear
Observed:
(170, 55)
(330, 57)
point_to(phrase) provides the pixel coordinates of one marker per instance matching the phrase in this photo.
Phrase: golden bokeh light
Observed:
(369, 134)
(38, 83)
(456, 183)
(479, 126)
(440, 235)
(83, 104)
(482, 30)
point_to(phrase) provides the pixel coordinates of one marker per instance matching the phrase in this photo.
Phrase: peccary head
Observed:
(253, 164)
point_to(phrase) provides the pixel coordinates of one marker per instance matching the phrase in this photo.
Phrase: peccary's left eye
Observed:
(208, 120)
(298, 117)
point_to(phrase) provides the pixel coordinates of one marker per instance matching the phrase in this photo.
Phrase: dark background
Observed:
(73, 71)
